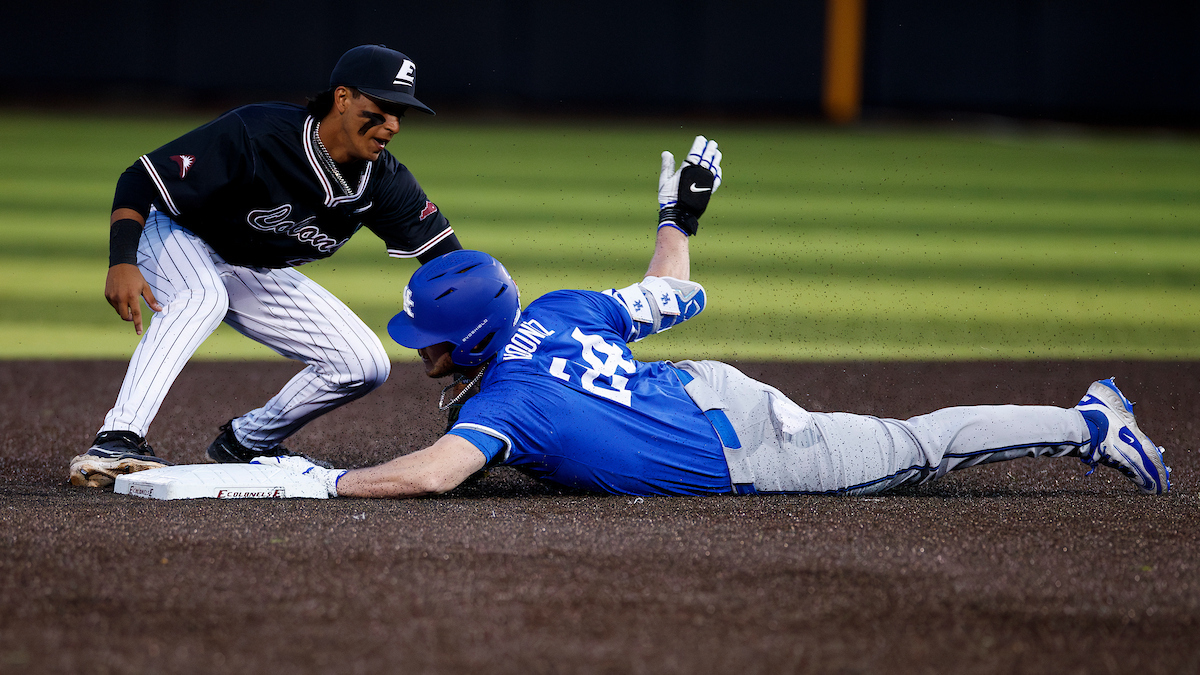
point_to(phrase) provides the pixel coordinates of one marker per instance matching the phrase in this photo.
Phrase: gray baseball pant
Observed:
(785, 448)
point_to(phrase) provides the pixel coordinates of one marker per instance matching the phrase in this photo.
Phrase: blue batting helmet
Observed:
(464, 297)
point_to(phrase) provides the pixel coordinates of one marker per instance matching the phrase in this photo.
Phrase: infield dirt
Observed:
(1026, 566)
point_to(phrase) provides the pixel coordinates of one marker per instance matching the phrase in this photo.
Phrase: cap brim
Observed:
(397, 98)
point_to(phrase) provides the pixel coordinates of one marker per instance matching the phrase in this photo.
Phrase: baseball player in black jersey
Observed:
(209, 227)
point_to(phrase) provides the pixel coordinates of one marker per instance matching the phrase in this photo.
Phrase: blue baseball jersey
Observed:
(566, 402)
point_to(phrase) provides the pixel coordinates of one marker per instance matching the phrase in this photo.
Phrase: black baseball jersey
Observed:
(251, 184)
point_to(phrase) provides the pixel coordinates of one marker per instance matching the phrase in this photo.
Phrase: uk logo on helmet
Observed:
(408, 303)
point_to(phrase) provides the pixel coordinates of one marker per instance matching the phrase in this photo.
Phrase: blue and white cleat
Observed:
(1122, 445)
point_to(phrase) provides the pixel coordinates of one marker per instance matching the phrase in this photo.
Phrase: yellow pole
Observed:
(841, 96)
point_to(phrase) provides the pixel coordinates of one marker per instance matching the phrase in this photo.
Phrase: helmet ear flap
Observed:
(483, 344)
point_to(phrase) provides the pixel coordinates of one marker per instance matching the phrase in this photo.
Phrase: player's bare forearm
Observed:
(439, 468)
(671, 257)
(682, 198)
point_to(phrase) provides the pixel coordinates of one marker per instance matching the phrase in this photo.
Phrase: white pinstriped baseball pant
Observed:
(279, 308)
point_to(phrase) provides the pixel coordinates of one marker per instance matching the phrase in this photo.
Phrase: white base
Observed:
(219, 481)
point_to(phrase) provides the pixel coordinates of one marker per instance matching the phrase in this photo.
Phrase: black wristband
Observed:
(681, 218)
(123, 239)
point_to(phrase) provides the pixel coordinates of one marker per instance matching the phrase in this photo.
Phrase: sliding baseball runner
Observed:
(554, 390)
(211, 226)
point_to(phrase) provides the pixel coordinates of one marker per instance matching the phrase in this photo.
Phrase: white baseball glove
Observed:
(683, 195)
(305, 467)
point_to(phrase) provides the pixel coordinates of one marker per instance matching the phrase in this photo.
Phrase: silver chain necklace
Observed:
(442, 405)
(327, 160)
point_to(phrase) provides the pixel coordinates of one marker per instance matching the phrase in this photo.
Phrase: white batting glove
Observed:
(683, 195)
(305, 467)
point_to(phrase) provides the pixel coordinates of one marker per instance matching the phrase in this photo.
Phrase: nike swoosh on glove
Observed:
(681, 207)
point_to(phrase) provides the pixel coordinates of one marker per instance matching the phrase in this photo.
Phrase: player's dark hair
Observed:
(320, 105)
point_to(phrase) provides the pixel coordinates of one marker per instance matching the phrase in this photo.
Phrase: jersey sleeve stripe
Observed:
(397, 253)
(488, 431)
(160, 185)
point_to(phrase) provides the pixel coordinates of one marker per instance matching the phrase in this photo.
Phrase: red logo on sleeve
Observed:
(429, 210)
(185, 162)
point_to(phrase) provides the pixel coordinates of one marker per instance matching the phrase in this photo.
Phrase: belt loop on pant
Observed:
(716, 417)
(721, 423)
(724, 428)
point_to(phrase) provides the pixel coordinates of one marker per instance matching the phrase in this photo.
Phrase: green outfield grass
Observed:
(821, 244)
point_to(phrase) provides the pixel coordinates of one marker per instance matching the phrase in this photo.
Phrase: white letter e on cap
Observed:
(407, 73)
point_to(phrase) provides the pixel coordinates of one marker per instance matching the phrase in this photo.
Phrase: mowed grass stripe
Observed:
(820, 245)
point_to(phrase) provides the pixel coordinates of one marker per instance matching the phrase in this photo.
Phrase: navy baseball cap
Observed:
(379, 72)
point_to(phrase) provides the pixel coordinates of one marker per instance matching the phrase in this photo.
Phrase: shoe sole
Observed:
(99, 472)
(1149, 454)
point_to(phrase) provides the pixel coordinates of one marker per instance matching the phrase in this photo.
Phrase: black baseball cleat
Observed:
(227, 449)
(112, 454)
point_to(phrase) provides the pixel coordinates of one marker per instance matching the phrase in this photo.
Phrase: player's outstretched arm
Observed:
(438, 468)
(666, 296)
(682, 198)
(125, 286)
